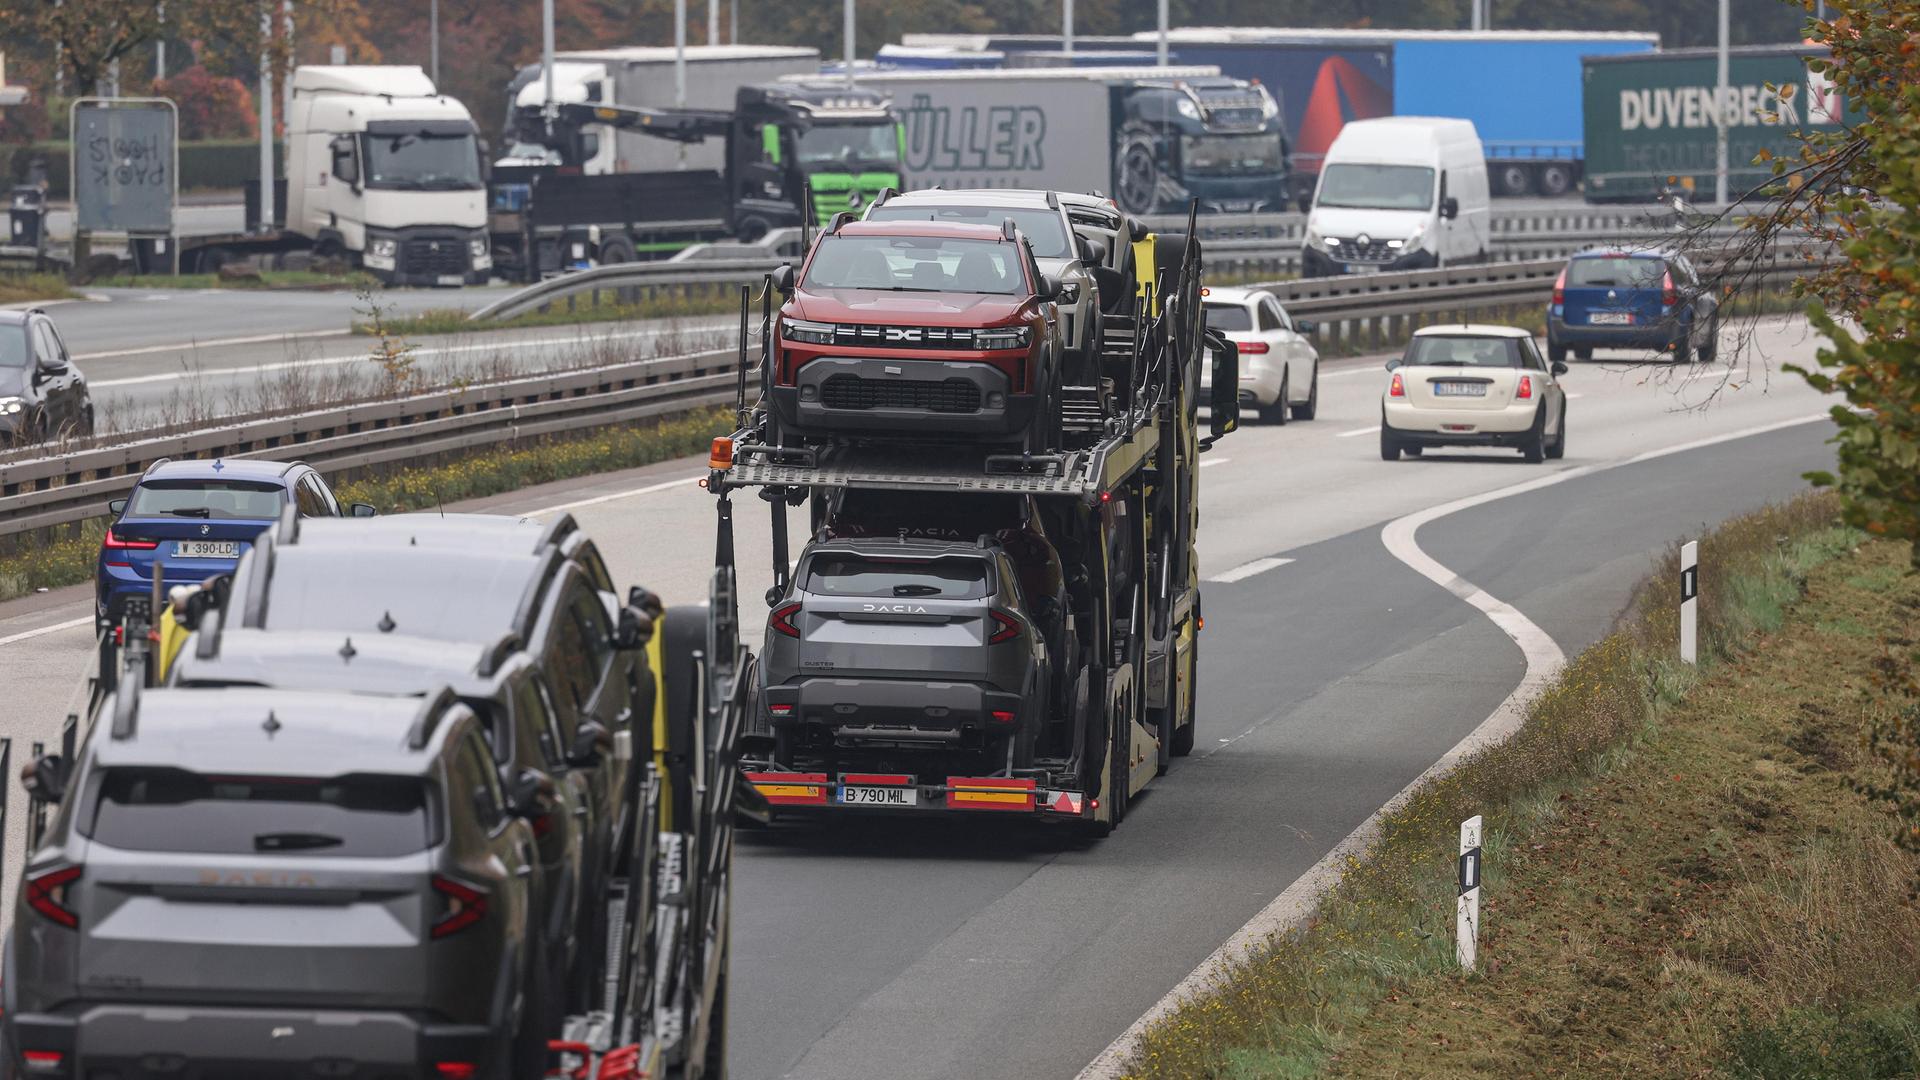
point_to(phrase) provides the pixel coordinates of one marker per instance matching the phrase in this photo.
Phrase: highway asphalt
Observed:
(1331, 674)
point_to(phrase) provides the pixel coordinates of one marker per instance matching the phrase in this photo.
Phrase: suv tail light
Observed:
(1668, 295)
(466, 905)
(47, 894)
(1251, 348)
(782, 619)
(1398, 388)
(1526, 388)
(1560, 288)
(44, 1062)
(1006, 627)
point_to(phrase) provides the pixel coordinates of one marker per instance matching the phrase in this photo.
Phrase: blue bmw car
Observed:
(195, 518)
(1648, 299)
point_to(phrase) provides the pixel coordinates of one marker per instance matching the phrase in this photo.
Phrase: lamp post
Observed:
(1720, 116)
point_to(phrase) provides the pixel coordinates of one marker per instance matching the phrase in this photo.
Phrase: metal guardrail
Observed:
(61, 489)
(1236, 245)
(41, 492)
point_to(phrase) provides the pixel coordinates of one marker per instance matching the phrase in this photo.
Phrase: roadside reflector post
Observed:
(1689, 601)
(1466, 910)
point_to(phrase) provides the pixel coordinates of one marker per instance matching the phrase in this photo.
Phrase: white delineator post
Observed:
(1466, 910)
(1690, 601)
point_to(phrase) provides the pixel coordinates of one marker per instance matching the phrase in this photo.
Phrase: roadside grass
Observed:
(604, 306)
(69, 558)
(27, 288)
(1373, 974)
(264, 280)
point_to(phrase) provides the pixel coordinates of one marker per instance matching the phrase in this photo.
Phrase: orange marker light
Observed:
(721, 456)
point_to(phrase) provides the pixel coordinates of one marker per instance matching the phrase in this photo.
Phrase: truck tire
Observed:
(752, 229)
(1183, 733)
(1554, 180)
(1136, 174)
(1511, 180)
(616, 249)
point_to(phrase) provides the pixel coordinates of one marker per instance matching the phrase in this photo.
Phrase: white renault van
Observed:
(1399, 193)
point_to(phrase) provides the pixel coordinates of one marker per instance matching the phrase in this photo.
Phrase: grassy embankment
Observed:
(1682, 877)
(29, 288)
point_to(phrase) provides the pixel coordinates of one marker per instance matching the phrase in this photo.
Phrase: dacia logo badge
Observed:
(896, 333)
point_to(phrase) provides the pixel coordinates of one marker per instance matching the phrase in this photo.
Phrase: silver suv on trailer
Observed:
(254, 883)
(905, 644)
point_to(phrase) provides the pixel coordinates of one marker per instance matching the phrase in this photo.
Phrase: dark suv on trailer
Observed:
(905, 643)
(918, 327)
(268, 883)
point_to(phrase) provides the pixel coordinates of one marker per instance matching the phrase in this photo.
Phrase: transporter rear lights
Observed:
(466, 906)
(781, 620)
(720, 457)
(1398, 388)
(1065, 802)
(1006, 628)
(990, 793)
(47, 894)
(790, 789)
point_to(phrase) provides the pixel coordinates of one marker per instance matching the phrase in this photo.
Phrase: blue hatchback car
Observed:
(195, 518)
(1648, 299)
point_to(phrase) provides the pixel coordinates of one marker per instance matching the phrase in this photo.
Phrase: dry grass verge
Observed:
(1370, 987)
(70, 560)
(28, 288)
(607, 305)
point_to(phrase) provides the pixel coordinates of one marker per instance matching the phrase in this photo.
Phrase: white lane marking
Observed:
(418, 353)
(1247, 570)
(1296, 903)
(1209, 462)
(598, 499)
(1358, 431)
(1570, 397)
(54, 628)
(257, 339)
(1348, 373)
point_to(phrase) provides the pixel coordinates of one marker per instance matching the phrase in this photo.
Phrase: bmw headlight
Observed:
(813, 333)
(10, 406)
(383, 249)
(1185, 107)
(1003, 337)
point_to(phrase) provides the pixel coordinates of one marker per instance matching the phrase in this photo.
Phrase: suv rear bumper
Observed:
(155, 1042)
(891, 709)
(1658, 336)
(975, 397)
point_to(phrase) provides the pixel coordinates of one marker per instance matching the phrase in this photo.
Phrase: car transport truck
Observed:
(974, 628)
(382, 171)
(1650, 119)
(1153, 138)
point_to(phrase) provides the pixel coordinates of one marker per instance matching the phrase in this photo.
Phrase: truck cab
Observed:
(388, 171)
(842, 145)
(1220, 141)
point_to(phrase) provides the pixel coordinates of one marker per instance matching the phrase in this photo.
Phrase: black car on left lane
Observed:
(42, 392)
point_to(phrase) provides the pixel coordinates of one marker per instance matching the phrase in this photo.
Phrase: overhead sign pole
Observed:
(266, 120)
(1720, 117)
(1066, 26)
(846, 17)
(546, 59)
(1163, 33)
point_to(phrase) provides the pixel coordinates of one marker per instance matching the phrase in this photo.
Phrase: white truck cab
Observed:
(384, 168)
(1399, 193)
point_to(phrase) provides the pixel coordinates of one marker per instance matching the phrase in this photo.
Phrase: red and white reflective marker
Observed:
(1466, 910)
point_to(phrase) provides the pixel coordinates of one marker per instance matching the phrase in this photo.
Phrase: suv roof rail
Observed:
(253, 609)
(880, 197)
(839, 219)
(156, 464)
(528, 609)
(1008, 229)
(498, 652)
(126, 708)
(292, 465)
(432, 709)
(1053, 199)
(557, 530)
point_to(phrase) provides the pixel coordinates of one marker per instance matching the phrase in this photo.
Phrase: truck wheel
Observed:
(1511, 180)
(752, 230)
(1555, 180)
(1183, 733)
(619, 249)
(1136, 184)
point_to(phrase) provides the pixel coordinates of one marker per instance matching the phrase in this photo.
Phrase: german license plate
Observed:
(452, 279)
(206, 549)
(1611, 318)
(875, 795)
(1459, 389)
